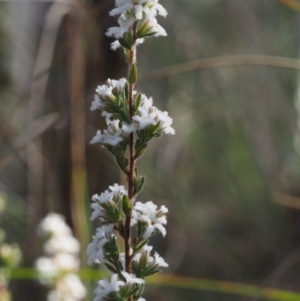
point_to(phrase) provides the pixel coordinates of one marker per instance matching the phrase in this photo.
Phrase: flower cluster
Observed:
(146, 122)
(110, 209)
(132, 122)
(58, 267)
(137, 21)
(149, 220)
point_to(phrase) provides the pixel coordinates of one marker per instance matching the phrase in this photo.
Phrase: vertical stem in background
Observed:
(38, 88)
(78, 180)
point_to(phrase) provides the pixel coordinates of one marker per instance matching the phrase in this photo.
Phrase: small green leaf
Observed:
(126, 204)
(110, 268)
(119, 267)
(139, 247)
(137, 102)
(140, 151)
(139, 184)
(125, 43)
(133, 74)
(138, 144)
(126, 90)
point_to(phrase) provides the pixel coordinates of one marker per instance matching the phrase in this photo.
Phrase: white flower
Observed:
(156, 260)
(112, 136)
(107, 92)
(96, 104)
(159, 261)
(150, 26)
(115, 45)
(95, 248)
(66, 262)
(165, 122)
(128, 128)
(121, 9)
(53, 224)
(68, 288)
(118, 189)
(132, 279)
(57, 269)
(148, 213)
(106, 287)
(147, 115)
(105, 197)
(46, 267)
(64, 244)
(141, 11)
(116, 32)
(107, 116)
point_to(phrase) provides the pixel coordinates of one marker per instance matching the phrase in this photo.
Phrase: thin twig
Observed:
(34, 130)
(223, 61)
(286, 200)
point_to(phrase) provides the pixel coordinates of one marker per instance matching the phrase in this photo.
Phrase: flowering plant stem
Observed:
(132, 121)
(127, 237)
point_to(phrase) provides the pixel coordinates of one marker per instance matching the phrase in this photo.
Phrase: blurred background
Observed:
(228, 74)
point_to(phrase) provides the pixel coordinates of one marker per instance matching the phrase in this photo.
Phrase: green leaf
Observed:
(126, 204)
(133, 75)
(138, 144)
(126, 90)
(140, 151)
(110, 268)
(139, 247)
(139, 184)
(150, 34)
(137, 102)
(124, 116)
(125, 43)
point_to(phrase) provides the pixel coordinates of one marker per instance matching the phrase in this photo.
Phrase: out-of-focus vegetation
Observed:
(230, 176)
(10, 257)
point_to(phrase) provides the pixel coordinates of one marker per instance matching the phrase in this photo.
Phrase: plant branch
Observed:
(223, 61)
(131, 174)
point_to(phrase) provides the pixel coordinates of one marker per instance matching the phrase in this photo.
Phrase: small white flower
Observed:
(148, 213)
(105, 197)
(107, 116)
(66, 262)
(132, 279)
(115, 45)
(150, 115)
(95, 248)
(68, 288)
(118, 189)
(46, 267)
(53, 224)
(106, 287)
(96, 104)
(112, 136)
(150, 25)
(128, 128)
(108, 91)
(156, 260)
(62, 244)
(121, 9)
(142, 11)
(57, 269)
(116, 32)
(159, 261)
